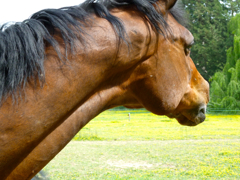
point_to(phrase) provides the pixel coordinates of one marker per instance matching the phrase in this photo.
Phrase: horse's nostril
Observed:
(202, 110)
(201, 114)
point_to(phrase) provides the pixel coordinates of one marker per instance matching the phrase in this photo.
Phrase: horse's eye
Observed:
(188, 48)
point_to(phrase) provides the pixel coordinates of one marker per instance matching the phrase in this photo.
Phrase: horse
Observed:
(62, 67)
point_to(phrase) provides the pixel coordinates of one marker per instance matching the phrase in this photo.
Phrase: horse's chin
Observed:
(187, 121)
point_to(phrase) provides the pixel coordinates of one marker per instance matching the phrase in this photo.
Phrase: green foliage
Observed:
(229, 102)
(238, 69)
(234, 25)
(236, 48)
(225, 86)
(230, 57)
(217, 92)
(220, 77)
(233, 87)
(226, 73)
(233, 74)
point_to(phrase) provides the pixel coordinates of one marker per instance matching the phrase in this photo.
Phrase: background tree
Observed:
(232, 6)
(208, 24)
(225, 84)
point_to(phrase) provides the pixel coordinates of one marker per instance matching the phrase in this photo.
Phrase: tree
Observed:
(208, 24)
(225, 85)
(232, 6)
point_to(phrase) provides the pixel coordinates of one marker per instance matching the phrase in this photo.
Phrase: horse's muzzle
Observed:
(191, 117)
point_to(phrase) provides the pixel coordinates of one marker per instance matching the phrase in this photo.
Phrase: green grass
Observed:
(150, 147)
(115, 125)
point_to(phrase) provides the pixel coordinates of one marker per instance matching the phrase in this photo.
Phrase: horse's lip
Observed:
(183, 120)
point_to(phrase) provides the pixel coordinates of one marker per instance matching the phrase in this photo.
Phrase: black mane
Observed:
(22, 45)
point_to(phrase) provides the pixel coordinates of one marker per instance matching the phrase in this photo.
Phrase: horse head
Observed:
(167, 82)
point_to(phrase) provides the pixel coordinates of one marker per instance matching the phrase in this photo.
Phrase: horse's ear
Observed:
(170, 4)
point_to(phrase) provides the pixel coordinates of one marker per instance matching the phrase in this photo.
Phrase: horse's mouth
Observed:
(189, 120)
(186, 122)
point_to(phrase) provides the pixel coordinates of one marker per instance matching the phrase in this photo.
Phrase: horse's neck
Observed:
(26, 124)
(58, 138)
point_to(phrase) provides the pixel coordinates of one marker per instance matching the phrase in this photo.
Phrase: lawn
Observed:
(147, 146)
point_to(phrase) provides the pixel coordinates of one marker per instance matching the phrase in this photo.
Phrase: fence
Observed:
(222, 111)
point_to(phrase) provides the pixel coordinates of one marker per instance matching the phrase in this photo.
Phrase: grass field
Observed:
(150, 147)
